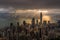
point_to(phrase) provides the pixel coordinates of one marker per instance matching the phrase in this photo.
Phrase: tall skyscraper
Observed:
(48, 22)
(11, 26)
(24, 22)
(36, 22)
(44, 23)
(41, 18)
(33, 22)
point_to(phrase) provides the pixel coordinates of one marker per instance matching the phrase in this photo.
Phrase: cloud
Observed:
(7, 10)
(29, 13)
(31, 3)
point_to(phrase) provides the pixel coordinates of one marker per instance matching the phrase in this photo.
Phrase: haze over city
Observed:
(29, 19)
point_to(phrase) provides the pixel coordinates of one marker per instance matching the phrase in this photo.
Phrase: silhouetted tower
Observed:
(24, 22)
(17, 26)
(17, 31)
(48, 22)
(41, 27)
(11, 25)
(58, 23)
(36, 22)
(40, 34)
(17, 23)
(33, 22)
(11, 31)
(41, 18)
(49, 25)
(44, 23)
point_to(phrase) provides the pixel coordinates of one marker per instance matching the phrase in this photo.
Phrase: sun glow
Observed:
(46, 18)
(43, 11)
(31, 10)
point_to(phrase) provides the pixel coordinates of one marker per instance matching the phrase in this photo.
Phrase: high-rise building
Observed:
(41, 18)
(33, 22)
(11, 25)
(17, 33)
(17, 23)
(48, 21)
(58, 23)
(24, 22)
(44, 23)
(36, 22)
(41, 28)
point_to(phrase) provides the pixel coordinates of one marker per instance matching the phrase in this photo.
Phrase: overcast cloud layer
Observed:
(8, 6)
(31, 3)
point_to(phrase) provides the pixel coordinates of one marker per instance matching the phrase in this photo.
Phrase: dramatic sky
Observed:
(31, 3)
(21, 6)
(28, 9)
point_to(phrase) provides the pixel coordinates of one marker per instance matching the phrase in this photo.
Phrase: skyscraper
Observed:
(36, 22)
(33, 22)
(44, 23)
(41, 18)
(24, 22)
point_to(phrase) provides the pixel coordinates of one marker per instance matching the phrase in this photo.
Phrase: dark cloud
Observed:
(31, 3)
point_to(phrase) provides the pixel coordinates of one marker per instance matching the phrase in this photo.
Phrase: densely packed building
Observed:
(34, 31)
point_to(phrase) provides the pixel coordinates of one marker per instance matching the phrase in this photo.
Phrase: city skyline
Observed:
(26, 9)
(29, 19)
(36, 30)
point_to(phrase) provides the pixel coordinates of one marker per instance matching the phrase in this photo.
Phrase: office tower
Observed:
(24, 22)
(11, 25)
(41, 18)
(48, 22)
(40, 33)
(49, 25)
(40, 29)
(58, 23)
(37, 25)
(44, 23)
(8, 35)
(11, 31)
(36, 22)
(17, 31)
(33, 22)
(17, 23)
(46, 32)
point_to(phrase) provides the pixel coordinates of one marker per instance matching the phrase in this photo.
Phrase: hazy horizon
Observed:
(11, 10)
